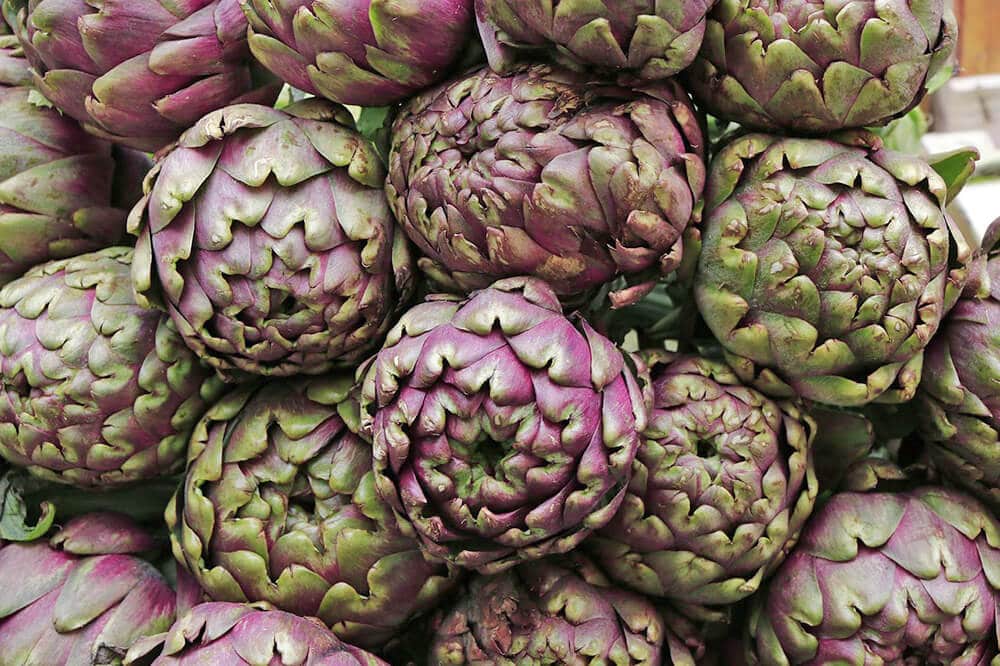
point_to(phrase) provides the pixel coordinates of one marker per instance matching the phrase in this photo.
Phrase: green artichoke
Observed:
(83, 597)
(266, 236)
(542, 173)
(880, 578)
(652, 39)
(61, 191)
(363, 52)
(225, 634)
(503, 430)
(827, 265)
(279, 505)
(139, 72)
(960, 391)
(817, 66)
(720, 490)
(556, 611)
(97, 391)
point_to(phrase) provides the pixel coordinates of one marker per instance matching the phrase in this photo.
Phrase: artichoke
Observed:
(83, 597)
(279, 505)
(884, 578)
(238, 634)
(363, 52)
(61, 190)
(720, 489)
(503, 430)
(266, 236)
(816, 66)
(960, 390)
(650, 39)
(96, 390)
(540, 173)
(139, 72)
(548, 612)
(827, 265)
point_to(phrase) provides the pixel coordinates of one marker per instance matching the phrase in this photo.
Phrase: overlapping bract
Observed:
(827, 265)
(503, 430)
(960, 391)
(721, 488)
(653, 39)
(886, 578)
(82, 598)
(237, 634)
(267, 237)
(139, 72)
(279, 505)
(363, 52)
(97, 391)
(541, 173)
(554, 611)
(817, 66)
(59, 187)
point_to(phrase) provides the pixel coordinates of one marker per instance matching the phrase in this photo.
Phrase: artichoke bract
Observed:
(540, 173)
(279, 505)
(721, 487)
(884, 578)
(230, 634)
(139, 72)
(960, 391)
(362, 52)
(816, 66)
(503, 430)
(267, 237)
(97, 391)
(650, 39)
(556, 611)
(827, 265)
(61, 190)
(83, 597)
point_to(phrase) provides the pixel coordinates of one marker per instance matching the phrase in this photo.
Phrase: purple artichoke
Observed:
(224, 634)
(267, 237)
(541, 173)
(327, 545)
(82, 598)
(96, 391)
(881, 578)
(556, 611)
(653, 39)
(139, 72)
(960, 390)
(720, 488)
(818, 66)
(503, 430)
(363, 52)
(827, 265)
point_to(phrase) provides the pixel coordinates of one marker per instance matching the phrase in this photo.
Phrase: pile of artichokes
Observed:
(490, 332)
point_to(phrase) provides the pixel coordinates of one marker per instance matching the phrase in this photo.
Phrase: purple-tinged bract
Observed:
(97, 391)
(139, 72)
(363, 52)
(650, 39)
(827, 265)
(267, 237)
(721, 488)
(503, 430)
(544, 173)
(817, 66)
(82, 598)
(554, 611)
(878, 578)
(327, 546)
(227, 634)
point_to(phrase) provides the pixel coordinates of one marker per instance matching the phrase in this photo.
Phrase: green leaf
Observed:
(904, 134)
(14, 511)
(956, 167)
